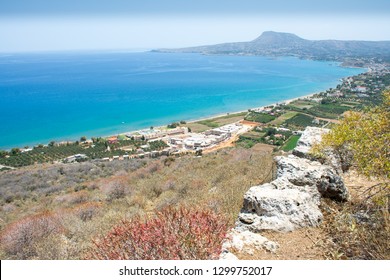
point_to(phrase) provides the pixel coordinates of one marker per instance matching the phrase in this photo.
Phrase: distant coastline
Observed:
(187, 121)
(240, 83)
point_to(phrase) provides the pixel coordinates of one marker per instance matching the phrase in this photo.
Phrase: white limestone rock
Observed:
(226, 255)
(304, 172)
(309, 137)
(246, 242)
(278, 206)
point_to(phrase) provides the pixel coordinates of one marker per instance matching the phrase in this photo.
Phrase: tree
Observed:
(83, 139)
(367, 136)
(271, 131)
(15, 151)
(3, 154)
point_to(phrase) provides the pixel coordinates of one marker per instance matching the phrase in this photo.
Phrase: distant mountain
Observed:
(286, 44)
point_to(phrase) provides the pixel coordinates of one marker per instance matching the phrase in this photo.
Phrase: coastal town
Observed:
(279, 125)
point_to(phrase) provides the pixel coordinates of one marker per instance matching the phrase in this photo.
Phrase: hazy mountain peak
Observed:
(272, 37)
(271, 43)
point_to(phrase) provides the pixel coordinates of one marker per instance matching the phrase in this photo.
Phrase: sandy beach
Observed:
(287, 101)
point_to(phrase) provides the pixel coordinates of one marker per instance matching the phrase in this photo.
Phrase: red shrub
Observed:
(173, 234)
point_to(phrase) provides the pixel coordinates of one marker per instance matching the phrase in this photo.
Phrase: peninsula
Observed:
(272, 43)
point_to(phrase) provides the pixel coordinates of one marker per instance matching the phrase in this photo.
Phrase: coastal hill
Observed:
(272, 43)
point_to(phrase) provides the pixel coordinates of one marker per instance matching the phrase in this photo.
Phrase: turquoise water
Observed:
(57, 97)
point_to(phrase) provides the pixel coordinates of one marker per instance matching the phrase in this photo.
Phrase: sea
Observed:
(62, 96)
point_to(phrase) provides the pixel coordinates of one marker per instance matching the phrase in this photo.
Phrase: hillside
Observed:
(285, 44)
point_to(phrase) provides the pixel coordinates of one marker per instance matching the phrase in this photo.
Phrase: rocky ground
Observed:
(283, 219)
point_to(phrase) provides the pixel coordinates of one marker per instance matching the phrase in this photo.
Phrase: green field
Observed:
(259, 117)
(251, 138)
(291, 143)
(281, 119)
(331, 111)
(207, 124)
(300, 121)
(302, 104)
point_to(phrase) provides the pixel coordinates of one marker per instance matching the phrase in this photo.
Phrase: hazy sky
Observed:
(39, 25)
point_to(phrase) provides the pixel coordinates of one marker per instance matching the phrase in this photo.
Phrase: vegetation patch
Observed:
(291, 143)
(51, 153)
(300, 121)
(209, 123)
(302, 104)
(281, 119)
(174, 234)
(329, 110)
(259, 117)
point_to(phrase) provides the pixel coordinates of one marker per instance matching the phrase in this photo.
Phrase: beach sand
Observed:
(228, 113)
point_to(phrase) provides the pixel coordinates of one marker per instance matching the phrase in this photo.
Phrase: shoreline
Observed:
(164, 126)
(210, 117)
(72, 139)
(287, 101)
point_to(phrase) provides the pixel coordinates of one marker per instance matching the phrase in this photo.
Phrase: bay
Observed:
(62, 96)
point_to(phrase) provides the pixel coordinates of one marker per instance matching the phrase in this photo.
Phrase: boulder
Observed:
(278, 206)
(304, 172)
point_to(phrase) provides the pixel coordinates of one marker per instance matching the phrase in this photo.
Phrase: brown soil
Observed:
(254, 124)
(302, 244)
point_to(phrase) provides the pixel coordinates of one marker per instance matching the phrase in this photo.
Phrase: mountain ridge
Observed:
(271, 43)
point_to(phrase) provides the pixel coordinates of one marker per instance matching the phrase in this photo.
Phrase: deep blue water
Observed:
(63, 96)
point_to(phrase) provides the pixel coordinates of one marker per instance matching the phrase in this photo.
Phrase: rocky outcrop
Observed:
(292, 200)
(303, 172)
(278, 206)
(339, 160)
(309, 137)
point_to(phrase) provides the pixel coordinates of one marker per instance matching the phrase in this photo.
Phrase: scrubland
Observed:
(69, 211)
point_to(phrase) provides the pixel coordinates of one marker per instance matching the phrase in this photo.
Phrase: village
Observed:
(178, 140)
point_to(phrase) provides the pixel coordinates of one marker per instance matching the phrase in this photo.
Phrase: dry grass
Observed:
(358, 231)
(90, 199)
(360, 228)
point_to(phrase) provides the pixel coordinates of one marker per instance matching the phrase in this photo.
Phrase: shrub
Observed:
(359, 230)
(173, 234)
(19, 240)
(72, 198)
(87, 210)
(115, 189)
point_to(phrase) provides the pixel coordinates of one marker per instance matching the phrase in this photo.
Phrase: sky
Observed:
(56, 25)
